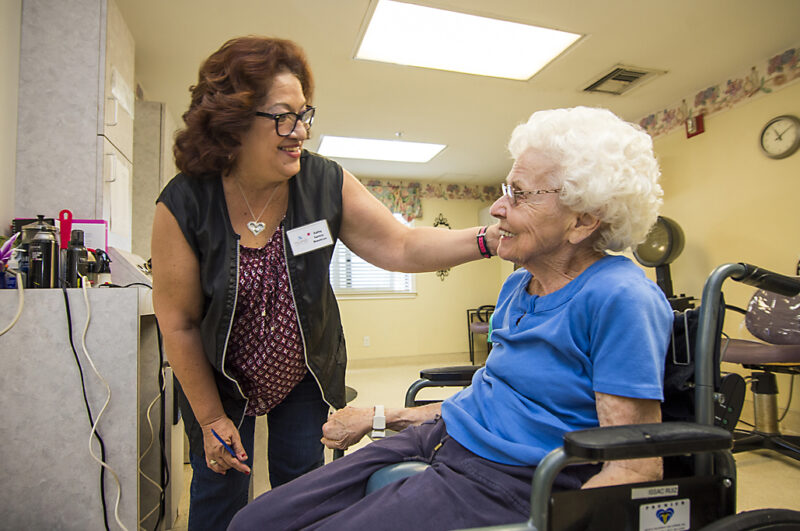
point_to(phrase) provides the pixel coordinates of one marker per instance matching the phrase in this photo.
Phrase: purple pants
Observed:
(459, 490)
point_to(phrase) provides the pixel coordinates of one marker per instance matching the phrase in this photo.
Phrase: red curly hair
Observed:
(232, 83)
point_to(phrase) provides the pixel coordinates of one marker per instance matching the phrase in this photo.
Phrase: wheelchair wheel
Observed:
(767, 519)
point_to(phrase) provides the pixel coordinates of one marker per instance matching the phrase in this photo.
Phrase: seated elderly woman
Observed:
(579, 338)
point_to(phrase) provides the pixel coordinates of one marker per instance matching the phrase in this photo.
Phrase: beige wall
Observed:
(434, 321)
(734, 204)
(10, 24)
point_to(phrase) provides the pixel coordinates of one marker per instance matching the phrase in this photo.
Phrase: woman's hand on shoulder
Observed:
(493, 238)
(370, 230)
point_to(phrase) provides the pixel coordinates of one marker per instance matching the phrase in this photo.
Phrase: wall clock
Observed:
(781, 136)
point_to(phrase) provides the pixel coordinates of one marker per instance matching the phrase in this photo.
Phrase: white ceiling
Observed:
(698, 43)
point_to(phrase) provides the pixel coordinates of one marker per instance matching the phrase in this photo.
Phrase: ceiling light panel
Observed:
(374, 149)
(415, 35)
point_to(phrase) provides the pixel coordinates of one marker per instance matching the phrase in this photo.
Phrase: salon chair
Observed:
(775, 320)
(702, 498)
(479, 322)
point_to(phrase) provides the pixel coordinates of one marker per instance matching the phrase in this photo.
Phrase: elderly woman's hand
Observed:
(346, 427)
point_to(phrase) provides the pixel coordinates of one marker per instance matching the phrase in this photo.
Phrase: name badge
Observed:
(309, 237)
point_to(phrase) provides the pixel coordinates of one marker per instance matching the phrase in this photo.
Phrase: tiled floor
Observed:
(765, 479)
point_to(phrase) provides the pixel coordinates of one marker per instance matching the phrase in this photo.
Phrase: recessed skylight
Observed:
(415, 35)
(374, 149)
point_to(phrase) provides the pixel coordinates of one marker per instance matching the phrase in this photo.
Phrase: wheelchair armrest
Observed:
(460, 376)
(645, 440)
(461, 372)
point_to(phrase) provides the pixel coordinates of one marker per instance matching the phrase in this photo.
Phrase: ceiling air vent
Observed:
(621, 79)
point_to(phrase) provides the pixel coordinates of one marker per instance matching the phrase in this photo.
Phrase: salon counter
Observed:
(50, 480)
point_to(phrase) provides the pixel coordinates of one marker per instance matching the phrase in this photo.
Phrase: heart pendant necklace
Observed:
(256, 226)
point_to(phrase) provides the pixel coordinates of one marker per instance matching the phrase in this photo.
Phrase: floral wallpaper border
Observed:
(778, 71)
(406, 197)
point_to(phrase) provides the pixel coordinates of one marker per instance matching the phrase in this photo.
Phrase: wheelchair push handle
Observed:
(764, 279)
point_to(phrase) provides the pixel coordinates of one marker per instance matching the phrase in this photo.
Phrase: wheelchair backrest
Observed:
(679, 379)
(679, 366)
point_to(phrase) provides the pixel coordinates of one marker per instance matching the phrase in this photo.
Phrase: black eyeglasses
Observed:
(514, 196)
(285, 122)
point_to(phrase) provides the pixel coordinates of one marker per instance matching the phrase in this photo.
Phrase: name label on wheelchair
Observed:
(673, 515)
(662, 491)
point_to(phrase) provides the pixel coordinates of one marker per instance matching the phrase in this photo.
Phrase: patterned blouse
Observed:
(265, 349)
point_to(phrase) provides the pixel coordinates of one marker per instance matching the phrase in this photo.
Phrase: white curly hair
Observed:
(606, 168)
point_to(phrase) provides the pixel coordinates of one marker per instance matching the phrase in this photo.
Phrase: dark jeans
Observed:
(294, 448)
(459, 490)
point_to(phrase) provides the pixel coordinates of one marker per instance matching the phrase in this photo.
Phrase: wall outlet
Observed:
(366, 341)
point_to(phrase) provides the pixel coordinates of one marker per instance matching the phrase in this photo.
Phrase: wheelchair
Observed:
(699, 486)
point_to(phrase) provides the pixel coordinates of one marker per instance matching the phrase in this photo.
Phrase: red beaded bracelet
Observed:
(482, 247)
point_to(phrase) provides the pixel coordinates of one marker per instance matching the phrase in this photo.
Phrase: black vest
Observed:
(198, 204)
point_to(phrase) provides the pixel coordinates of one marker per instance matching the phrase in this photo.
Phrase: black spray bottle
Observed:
(77, 260)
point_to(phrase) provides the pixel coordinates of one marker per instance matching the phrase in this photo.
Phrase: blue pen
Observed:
(230, 450)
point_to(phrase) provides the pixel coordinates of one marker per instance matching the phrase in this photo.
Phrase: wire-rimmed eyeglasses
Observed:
(285, 122)
(515, 196)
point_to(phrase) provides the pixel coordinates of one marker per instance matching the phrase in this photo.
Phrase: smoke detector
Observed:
(621, 78)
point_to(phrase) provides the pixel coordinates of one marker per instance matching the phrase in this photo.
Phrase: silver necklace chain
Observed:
(256, 226)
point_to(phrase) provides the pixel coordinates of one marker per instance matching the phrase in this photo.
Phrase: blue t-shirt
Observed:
(606, 331)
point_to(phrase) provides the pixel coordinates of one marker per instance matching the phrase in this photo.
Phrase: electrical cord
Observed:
(20, 304)
(95, 434)
(94, 422)
(146, 451)
(158, 397)
(789, 402)
(88, 407)
(165, 474)
(110, 285)
(785, 410)
(85, 283)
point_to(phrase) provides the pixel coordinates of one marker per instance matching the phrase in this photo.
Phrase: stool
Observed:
(479, 322)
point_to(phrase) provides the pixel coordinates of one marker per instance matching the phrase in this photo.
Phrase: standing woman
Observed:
(241, 291)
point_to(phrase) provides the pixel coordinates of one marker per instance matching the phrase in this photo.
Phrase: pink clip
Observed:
(65, 219)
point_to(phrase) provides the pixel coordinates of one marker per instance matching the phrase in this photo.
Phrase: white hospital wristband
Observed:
(378, 423)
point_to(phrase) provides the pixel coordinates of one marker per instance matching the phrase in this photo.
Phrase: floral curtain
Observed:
(399, 197)
(405, 198)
